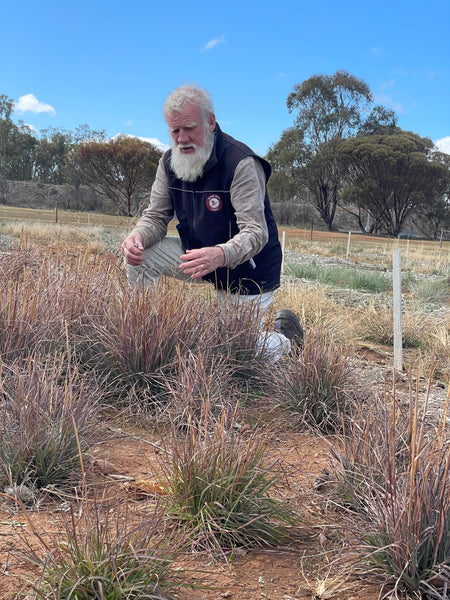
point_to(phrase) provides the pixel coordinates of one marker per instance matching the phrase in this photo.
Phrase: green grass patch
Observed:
(367, 281)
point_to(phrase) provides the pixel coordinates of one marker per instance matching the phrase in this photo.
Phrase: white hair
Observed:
(187, 94)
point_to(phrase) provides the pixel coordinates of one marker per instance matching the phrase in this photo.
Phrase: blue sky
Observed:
(110, 64)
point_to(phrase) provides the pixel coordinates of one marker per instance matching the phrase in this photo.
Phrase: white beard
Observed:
(189, 167)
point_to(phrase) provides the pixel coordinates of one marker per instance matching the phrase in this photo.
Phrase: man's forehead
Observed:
(188, 116)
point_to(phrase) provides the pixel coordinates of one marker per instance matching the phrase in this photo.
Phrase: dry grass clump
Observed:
(438, 357)
(315, 384)
(376, 325)
(315, 308)
(425, 331)
(394, 470)
(46, 411)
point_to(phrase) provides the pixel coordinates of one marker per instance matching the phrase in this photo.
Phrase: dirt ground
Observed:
(323, 565)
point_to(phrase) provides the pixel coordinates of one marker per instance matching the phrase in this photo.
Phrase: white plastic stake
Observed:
(348, 243)
(397, 296)
(283, 243)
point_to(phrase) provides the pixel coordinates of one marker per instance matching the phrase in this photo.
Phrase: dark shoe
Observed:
(287, 323)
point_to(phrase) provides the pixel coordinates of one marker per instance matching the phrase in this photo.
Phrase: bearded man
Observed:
(216, 188)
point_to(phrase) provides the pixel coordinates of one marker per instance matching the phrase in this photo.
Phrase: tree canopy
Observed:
(391, 176)
(120, 168)
(329, 107)
(343, 149)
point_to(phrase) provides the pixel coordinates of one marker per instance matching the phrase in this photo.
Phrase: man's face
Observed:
(192, 141)
(187, 128)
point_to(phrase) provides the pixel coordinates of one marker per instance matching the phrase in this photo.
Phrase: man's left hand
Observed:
(198, 263)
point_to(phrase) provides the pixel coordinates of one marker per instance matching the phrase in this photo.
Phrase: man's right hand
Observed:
(132, 249)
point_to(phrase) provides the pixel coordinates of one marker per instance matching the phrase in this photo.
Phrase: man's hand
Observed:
(132, 249)
(198, 263)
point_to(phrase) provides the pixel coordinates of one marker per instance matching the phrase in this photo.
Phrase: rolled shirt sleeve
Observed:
(248, 190)
(156, 217)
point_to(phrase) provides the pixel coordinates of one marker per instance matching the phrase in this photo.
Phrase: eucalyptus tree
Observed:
(50, 155)
(17, 144)
(120, 169)
(394, 177)
(287, 158)
(328, 108)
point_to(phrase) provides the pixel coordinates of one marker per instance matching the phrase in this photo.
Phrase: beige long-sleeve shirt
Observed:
(247, 197)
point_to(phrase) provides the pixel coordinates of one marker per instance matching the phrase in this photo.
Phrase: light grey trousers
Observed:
(163, 259)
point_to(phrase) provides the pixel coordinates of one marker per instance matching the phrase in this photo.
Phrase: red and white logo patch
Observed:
(213, 202)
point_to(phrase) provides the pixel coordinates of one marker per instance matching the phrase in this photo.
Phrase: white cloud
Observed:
(154, 141)
(213, 43)
(128, 123)
(443, 144)
(29, 103)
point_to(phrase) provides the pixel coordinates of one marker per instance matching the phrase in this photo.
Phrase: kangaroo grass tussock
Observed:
(199, 380)
(376, 325)
(316, 382)
(437, 359)
(394, 470)
(44, 405)
(144, 337)
(141, 333)
(219, 489)
(41, 295)
(102, 552)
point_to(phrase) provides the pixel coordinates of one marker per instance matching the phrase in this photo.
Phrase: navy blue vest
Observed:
(206, 217)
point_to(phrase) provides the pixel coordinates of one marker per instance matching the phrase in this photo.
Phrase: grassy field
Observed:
(150, 449)
(428, 257)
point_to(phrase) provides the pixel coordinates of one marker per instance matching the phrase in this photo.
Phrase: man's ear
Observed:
(212, 121)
